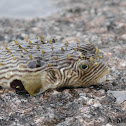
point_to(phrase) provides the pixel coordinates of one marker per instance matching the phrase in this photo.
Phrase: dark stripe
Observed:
(10, 77)
(96, 74)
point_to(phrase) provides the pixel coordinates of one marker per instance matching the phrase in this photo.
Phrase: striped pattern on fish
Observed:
(38, 65)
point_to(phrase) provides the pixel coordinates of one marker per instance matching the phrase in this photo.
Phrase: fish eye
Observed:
(84, 66)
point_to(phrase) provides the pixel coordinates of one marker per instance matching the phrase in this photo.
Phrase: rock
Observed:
(123, 105)
(123, 37)
(119, 95)
(103, 24)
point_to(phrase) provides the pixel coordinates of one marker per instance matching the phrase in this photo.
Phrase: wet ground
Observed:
(104, 24)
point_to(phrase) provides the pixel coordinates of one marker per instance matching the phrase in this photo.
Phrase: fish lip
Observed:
(103, 77)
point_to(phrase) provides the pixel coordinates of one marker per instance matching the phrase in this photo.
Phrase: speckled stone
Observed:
(104, 24)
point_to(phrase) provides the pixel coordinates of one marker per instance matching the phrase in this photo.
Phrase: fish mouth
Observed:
(103, 76)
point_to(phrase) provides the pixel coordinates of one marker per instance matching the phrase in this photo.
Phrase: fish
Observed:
(39, 65)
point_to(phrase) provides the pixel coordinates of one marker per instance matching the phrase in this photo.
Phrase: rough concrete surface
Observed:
(102, 22)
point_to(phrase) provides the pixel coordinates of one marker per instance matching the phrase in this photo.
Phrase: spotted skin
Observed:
(39, 65)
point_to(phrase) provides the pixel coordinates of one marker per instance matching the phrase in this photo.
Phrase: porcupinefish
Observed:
(39, 65)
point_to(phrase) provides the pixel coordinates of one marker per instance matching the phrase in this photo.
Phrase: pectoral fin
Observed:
(34, 83)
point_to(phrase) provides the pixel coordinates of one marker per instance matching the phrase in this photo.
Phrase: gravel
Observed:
(101, 22)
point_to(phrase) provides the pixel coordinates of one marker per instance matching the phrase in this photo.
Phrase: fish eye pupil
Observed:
(84, 66)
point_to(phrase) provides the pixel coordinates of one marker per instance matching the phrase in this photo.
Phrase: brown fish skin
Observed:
(38, 65)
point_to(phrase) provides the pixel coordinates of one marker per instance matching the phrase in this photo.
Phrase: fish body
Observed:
(39, 65)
